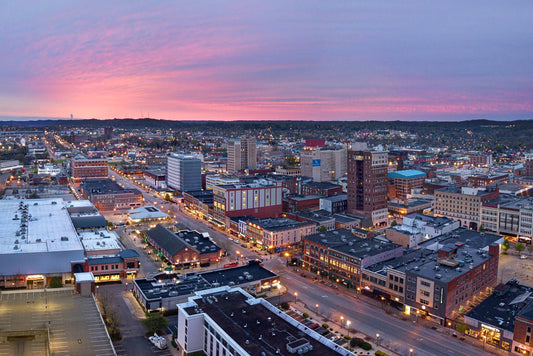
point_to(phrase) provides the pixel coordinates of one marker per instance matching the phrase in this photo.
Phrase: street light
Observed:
(348, 322)
(342, 321)
(316, 306)
(411, 351)
(377, 339)
(295, 296)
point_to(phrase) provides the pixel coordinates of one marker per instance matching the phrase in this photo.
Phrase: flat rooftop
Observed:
(501, 307)
(105, 186)
(75, 324)
(258, 327)
(406, 174)
(342, 240)
(279, 224)
(100, 240)
(36, 225)
(172, 285)
(511, 202)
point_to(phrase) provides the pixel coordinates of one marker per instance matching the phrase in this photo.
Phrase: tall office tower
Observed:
(323, 164)
(529, 164)
(367, 183)
(242, 154)
(184, 172)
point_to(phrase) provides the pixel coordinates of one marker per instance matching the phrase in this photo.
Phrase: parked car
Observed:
(523, 257)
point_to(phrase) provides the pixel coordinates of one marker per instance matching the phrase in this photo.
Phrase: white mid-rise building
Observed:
(184, 172)
(229, 321)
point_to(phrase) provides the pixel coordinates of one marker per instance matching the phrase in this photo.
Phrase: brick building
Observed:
(404, 182)
(279, 233)
(261, 200)
(184, 248)
(107, 195)
(367, 183)
(124, 264)
(82, 167)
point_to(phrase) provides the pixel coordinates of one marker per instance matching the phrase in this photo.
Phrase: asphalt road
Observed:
(398, 335)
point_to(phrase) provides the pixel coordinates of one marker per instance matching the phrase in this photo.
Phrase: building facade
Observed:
(323, 164)
(367, 184)
(405, 181)
(106, 195)
(184, 172)
(509, 215)
(242, 154)
(261, 200)
(279, 233)
(156, 178)
(83, 168)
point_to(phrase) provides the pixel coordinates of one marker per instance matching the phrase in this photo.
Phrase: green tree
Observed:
(519, 247)
(506, 245)
(155, 323)
(393, 223)
(55, 282)
(168, 197)
(323, 229)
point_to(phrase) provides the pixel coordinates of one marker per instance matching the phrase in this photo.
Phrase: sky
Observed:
(267, 60)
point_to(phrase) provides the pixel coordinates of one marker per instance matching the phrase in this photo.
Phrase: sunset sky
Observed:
(267, 60)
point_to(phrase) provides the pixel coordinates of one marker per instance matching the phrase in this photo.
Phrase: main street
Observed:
(396, 334)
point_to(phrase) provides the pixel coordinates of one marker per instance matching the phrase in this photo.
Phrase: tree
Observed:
(481, 228)
(291, 161)
(55, 282)
(155, 323)
(506, 245)
(168, 197)
(519, 247)
(393, 223)
(323, 228)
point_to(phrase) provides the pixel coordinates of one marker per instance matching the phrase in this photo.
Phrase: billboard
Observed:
(316, 163)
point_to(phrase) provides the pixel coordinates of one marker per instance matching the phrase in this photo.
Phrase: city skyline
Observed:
(267, 61)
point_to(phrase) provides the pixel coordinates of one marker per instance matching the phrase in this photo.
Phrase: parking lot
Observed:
(512, 266)
(74, 323)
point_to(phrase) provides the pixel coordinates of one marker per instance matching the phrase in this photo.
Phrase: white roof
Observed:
(36, 225)
(84, 277)
(146, 212)
(100, 239)
(78, 203)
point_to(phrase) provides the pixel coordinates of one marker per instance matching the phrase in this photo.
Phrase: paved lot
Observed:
(511, 266)
(74, 321)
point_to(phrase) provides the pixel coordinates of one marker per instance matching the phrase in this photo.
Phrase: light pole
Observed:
(411, 351)
(377, 339)
(316, 306)
(342, 321)
(295, 296)
(348, 322)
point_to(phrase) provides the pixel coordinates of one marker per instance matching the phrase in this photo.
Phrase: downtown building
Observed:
(367, 183)
(82, 168)
(340, 255)
(229, 321)
(242, 154)
(509, 215)
(402, 183)
(107, 195)
(261, 199)
(323, 164)
(441, 279)
(184, 172)
(462, 204)
(276, 234)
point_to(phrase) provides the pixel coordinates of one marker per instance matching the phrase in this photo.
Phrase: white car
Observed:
(523, 257)
(159, 341)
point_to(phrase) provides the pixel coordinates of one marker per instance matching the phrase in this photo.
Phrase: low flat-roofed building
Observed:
(84, 215)
(417, 228)
(146, 213)
(334, 204)
(340, 255)
(493, 320)
(111, 268)
(185, 247)
(229, 321)
(38, 241)
(412, 206)
(348, 222)
(156, 178)
(164, 291)
(278, 233)
(107, 195)
(100, 242)
(509, 215)
(321, 218)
